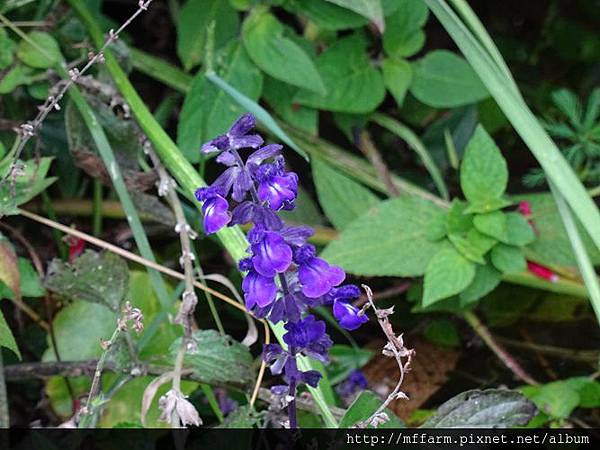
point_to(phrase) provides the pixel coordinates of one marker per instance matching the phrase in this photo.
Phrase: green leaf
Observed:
(404, 35)
(353, 85)
(473, 245)
(588, 390)
(42, 53)
(363, 407)
(389, 239)
(371, 9)
(207, 110)
(483, 172)
(31, 286)
(493, 224)
(9, 269)
(551, 245)
(397, 76)
(342, 198)
(194, 19)
(447, 274)
(485, 281)
(15, 77)
(344, 359)
(508, 259)
(7, 49)
(442, 332)
(457, 220)
(93, 277)
(328, 16)
(278, 55)
(30, 183)
(279, 96)
(443, 79)
(219, 358)
(518, 230)
(6, 337)
(491, 408)
(243, 417)
(557, 399)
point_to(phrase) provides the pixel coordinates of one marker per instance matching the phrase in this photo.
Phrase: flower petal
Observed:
(347, 315)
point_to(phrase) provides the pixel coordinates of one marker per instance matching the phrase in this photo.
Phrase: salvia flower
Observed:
(284, 277)
(352, 385)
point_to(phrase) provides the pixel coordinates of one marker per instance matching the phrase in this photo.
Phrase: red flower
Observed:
(542, 272)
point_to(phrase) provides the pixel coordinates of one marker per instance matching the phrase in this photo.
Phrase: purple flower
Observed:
(354, 383)
(258, 290)
(348, 315)
(308, 336)
(215, 209)
(276, 187)
(237, 137)
(315, 274)
(272, 254)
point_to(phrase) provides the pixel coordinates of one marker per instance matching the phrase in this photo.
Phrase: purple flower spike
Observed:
(272, 254)
(315, 274)
(216, 213)
(236, 137)
(348, 315)
(308, 336)
(258, 290)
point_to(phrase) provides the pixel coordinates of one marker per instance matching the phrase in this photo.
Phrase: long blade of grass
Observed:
(525, 123)
(413, 141)
(586, 268)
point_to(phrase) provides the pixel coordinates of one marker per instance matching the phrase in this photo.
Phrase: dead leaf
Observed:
(9, 268)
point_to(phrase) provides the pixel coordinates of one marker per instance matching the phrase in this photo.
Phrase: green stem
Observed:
(97, 208)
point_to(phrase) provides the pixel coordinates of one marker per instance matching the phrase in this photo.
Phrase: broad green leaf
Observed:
(473, 246)
(219, 358)
(485, 281)
(40, 51)
(93, 277)
(404, 35)
(327, 15)
(491, 408)
(518, 230)
(353, 85)
(15, 77)
(342, 198)
(437, 228)
(389, 239)
(27, 185)
(6, 337)
(457, 220)
(557, 399)
(442, 332)
(508, 259)
(588, 390)
(493, 224)
(279, 96)
(483, 172)
(344, 359)
(443, 79)
(7, 49)
(31, 286)
(397, 76)
(363, 407)
(371, 9)
(208, 110)
(447, 274)
(194, 19)
(551, 245)
(278, 55)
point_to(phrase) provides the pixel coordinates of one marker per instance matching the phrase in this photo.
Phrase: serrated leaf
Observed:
(342, 198)
(219, 358)
(389, 239)
(447, 274)
(208, 110)
(361, 409)
(443, 79)
(371, 9)
(353, 85)
(491, 408)
(485, 281)
(278, 55)
(93, 277)
(493, 224)
(404, 35)
(194, 19)
(42, 54)
(508, 259)
(483, 172)
(397, 76)
(518, 230)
